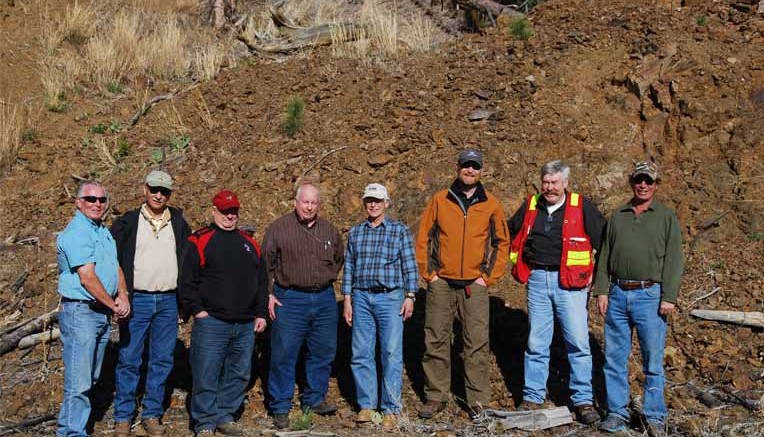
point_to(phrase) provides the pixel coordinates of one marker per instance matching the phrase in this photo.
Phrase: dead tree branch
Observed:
(10, 341)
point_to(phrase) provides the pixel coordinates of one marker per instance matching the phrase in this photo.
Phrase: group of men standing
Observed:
(150, 272)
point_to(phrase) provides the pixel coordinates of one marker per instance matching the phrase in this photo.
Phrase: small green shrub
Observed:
(115, 127)
(755, 236)
(701, 20)
(30, 135)
(114, 87)
(99, 128)
(157, 156)
(303, 421)
(123, 150)
(294, 117)
(520, 29)
(59, 104)
(179, 143)
(717, 265)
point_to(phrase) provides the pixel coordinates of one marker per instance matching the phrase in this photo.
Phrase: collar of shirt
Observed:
(156, 223)
(383, 223)
(551, 209)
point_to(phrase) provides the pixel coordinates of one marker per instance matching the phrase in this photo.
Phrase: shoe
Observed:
(389, 423)
(529, 406)
(613, 423)
(204, 432)
(475, 412)
(655, 429)
(153, 427)
(364, 416)
(281, 420)
(586, 414)
(122, 429)
(230, 428)
(431, 408)
(322, 408)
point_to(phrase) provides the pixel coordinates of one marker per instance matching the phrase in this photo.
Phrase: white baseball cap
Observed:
(376, 191)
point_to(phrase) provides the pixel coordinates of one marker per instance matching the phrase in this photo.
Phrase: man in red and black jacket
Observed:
(555, 235)
(224, 287)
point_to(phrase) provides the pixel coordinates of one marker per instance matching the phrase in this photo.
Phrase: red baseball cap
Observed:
(225, 200)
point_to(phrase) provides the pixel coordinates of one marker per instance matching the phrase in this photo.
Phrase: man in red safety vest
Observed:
(554, 237)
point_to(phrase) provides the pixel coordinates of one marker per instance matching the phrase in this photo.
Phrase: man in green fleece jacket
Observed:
(637, 282)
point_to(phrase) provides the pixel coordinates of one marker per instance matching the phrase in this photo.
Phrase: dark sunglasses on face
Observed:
(232, 211)
(165, 192)
(94, 199)
(471, 164)
(642, 178)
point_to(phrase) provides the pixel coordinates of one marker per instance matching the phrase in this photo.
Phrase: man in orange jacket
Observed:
(462, 248)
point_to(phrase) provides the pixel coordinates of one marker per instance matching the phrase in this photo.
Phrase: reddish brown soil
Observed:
(613, 82)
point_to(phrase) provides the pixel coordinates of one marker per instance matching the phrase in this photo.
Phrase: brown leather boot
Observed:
(153, 427)
(122, 429)
(431, 408)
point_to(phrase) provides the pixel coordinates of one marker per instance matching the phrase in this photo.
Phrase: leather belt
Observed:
(93, 304)
(377, 290)
(627, 284)
(312, 290)
(547, 267)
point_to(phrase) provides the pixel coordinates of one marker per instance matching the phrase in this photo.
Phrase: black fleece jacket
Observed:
(125, 232)
(232, 285)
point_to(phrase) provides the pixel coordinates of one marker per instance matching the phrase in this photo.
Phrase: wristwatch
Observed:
(411, 295)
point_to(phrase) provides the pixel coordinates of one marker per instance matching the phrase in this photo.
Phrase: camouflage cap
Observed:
(647, 168)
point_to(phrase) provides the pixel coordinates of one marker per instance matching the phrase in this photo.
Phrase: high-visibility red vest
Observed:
(577, 260)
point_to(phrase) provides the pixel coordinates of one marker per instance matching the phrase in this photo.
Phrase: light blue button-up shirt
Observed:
(84, 242)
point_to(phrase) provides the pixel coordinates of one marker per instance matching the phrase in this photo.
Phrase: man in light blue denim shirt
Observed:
(92, 288)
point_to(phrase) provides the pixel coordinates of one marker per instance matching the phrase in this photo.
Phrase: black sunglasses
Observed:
(94, 199)
(474, 165)
(638, 179)
(165, 192)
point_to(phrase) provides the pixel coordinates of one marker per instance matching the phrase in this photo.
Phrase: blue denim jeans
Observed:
(309, 319)
(628, 310)
(154, 315)
(85, 334)
(221, 361)
(378, 316)
(547, 301)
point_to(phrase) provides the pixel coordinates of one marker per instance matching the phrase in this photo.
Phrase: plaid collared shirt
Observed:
(380, 257)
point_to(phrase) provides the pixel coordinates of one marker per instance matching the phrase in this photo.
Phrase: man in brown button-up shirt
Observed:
(304, 254)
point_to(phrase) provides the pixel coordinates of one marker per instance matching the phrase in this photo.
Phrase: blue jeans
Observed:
(221, 361)
(547, 301)
(372, 314)
(303, 318)
(628, 310)
(154, 315)
(85, 334)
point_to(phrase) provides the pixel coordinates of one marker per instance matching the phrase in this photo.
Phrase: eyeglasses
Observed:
(165, 192)
(638, 179)
(373, 200)
(471, 164)
(94, 199)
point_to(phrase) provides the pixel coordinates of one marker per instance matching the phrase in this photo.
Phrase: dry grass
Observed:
(11, 125)
(204, 111)
(79, 23)
(115, 54)
(418, 33)
(383, 28)
(163, 53)
(208, 59)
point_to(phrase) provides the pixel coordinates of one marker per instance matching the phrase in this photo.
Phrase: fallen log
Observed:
(754, 318)
(41, 337)
(26, 423)
(10, 341)
(294, 37)
(535, 420)
(739, 397)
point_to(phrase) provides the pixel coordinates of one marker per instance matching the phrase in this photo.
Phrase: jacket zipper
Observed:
(464, 229)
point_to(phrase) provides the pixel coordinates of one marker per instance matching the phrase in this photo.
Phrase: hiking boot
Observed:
(153, 427)
(431, 408)
(230, 428)
(529, 406)
(475, 412)
(364, 416)
(322, 408)
(281, 420)
(613, 423)
(389, 423)
(586, 414)
(122, 429)
(655, 429)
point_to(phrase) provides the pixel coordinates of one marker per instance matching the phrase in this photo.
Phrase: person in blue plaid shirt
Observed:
(379, 286)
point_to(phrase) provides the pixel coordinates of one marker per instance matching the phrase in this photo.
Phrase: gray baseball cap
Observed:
(470, 155)
(159, 179)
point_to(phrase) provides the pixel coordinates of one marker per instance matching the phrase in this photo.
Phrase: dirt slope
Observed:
(601, 85)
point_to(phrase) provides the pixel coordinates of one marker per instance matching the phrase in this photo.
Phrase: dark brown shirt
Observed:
(302, 257)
